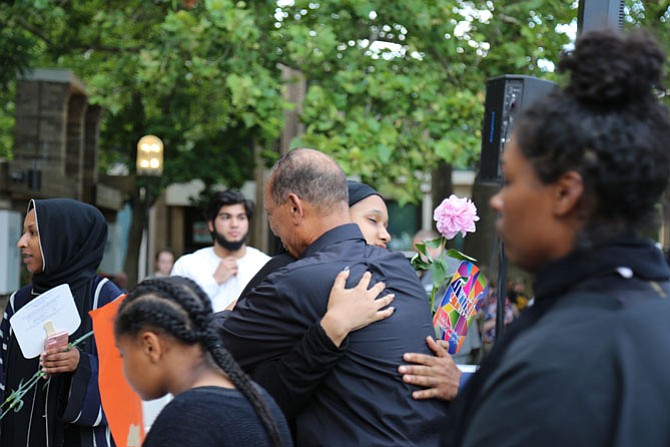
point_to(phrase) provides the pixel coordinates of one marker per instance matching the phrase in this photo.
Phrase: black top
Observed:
(348, 396)
(67, 409)
(275, 263)
(213, 417)
(586, 365)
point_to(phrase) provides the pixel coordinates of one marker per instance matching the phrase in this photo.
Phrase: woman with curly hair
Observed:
(584, 172)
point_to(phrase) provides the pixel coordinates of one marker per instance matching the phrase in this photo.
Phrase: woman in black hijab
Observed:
(63, 242)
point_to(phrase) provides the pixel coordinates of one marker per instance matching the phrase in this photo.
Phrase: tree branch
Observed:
(25, 25)
(95, 47)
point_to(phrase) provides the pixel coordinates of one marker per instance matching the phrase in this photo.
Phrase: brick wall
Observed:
(56, 133)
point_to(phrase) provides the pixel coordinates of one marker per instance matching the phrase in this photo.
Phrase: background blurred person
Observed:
(517, 295)
(163, 263)
(225, 268)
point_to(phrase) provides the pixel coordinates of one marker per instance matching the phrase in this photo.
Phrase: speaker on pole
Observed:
(506, 96)
(597, 14)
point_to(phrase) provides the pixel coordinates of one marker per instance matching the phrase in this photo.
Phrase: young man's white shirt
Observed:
(201, 265)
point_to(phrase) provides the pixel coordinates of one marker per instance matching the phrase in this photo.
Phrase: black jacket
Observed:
(587, 365)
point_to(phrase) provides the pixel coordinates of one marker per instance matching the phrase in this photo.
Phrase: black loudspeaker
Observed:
(505, 96)
(596, 14)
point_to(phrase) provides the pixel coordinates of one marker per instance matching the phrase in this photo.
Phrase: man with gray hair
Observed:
(342, 388)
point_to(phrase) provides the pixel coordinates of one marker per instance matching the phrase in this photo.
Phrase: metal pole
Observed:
(502, 292)
(147, 224)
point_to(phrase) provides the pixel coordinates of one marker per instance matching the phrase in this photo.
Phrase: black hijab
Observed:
(72, 240)
(359, 191)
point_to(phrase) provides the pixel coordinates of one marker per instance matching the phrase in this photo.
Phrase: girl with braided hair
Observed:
(164, 333)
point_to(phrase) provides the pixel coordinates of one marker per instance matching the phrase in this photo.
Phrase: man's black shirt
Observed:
(352, 395)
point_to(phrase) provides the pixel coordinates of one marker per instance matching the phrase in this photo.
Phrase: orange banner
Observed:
(122, 406)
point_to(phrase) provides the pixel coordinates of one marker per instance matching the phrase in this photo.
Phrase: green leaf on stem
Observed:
(418, 262)
(453, 253)
(435, 243)
(439, 272)
(15, 399)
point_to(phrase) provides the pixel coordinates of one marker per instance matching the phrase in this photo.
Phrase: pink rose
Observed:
(455, 215)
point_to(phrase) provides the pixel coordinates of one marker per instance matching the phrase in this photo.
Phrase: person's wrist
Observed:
(334, 329)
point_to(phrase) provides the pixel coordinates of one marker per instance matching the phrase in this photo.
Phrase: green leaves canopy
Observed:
(392, 86)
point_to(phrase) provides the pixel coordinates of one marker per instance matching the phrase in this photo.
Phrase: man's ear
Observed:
(568, 192)
(210, 225)
(152, 346)
(296, 208)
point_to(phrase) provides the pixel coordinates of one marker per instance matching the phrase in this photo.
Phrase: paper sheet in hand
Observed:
(55, 305)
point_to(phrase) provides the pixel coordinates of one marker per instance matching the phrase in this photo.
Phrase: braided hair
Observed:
(178, 307)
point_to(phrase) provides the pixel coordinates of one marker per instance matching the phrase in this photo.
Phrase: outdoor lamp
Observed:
(150, 156)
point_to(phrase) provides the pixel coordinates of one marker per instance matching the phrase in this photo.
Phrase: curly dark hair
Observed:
(608, 125)
(178, 307)
(225, 198)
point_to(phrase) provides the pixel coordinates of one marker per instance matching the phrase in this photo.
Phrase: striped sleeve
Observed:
(84, 406)
(5, 334)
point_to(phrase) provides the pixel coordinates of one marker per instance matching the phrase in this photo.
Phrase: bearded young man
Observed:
(225, 268)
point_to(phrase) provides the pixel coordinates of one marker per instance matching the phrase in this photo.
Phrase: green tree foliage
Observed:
(654, 15)
(394, 86)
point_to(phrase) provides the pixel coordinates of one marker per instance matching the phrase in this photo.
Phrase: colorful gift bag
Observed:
(458, 307)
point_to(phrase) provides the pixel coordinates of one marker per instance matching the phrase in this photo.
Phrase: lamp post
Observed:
(149, 164)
